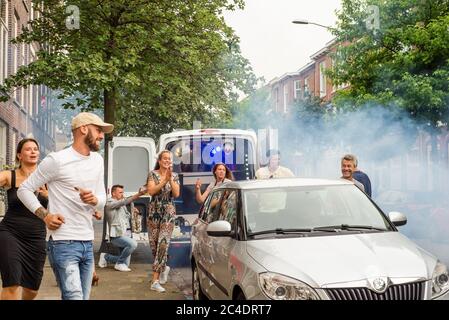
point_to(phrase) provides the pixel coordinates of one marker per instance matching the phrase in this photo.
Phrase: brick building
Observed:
(28, 112)
(309, 80)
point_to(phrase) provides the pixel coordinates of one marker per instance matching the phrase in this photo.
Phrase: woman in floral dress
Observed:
(163, 186)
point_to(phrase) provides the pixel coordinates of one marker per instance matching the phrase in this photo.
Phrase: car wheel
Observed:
(197, 291)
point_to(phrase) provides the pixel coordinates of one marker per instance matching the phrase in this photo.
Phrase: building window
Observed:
(3, 53)
(4, 9)
(276, 99)
(297, 89)
(306, 87)
(15, 136)
(322, 80)
(2, 144)
(15, 50)
(285, 98)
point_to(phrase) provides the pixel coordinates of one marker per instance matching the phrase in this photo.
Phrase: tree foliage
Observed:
(404, 64)
(254, 111)
(148, 63)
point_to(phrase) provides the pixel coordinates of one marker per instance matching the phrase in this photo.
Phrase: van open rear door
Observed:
(129, 162)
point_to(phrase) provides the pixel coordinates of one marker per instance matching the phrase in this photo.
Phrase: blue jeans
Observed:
(73, 265)
(127, 245)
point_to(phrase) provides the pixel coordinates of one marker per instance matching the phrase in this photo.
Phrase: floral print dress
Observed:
(161, 221)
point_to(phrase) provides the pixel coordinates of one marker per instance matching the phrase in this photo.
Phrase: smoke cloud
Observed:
(406, 173)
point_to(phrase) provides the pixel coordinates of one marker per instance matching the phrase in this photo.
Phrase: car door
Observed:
(203, 244)
(222, 269)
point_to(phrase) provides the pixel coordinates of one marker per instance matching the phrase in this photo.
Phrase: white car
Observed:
(287, 239)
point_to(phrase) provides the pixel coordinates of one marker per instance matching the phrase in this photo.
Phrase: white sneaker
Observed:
(164, 275)
(121, 267)
(156, 286)
(102, 263)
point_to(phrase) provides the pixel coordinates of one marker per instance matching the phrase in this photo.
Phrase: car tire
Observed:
(197, 291)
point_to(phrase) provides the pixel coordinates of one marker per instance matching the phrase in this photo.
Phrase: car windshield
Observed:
(309, 208)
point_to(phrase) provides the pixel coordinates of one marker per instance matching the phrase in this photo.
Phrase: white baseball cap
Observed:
(85, 118)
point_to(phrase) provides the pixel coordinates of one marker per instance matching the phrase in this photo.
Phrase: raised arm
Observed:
(200, 197)
(114, 204)
(175, 188)
(154, 188)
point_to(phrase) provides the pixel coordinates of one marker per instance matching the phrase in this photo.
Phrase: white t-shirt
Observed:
(62, 171)
(280, 172)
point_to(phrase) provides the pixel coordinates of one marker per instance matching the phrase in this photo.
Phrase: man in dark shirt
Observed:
(362, 177)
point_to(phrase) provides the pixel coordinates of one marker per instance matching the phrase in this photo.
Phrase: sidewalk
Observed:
(116, 285)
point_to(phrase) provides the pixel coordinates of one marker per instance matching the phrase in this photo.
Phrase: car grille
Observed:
(407, 291)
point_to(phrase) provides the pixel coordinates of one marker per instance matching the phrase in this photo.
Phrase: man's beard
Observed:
(91, 142)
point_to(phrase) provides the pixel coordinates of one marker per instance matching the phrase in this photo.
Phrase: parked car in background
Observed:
(306, 239)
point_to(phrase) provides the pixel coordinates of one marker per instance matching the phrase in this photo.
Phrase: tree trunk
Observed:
(110, 104)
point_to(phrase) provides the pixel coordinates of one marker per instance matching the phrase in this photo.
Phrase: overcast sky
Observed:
(273, 44)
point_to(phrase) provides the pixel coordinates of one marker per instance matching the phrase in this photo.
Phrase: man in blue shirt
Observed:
(362, 177)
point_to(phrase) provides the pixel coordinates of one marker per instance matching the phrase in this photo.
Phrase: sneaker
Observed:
(156, 286)
(164, 275)
(102, 263)
(121, 267)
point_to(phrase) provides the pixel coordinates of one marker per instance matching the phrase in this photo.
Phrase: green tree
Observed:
(404, 64)
(254, 111)
(159, 60)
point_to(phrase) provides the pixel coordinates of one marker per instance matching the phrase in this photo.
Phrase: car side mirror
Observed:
(219, 228)
(398, 218)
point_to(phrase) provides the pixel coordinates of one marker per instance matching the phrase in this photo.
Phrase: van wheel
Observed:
(197, 291)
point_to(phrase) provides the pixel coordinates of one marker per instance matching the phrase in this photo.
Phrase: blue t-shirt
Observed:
(363, 178)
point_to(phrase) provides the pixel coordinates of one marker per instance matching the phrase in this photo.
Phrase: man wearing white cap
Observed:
(75, 179)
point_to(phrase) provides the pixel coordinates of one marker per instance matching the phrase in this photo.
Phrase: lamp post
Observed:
(303, 21)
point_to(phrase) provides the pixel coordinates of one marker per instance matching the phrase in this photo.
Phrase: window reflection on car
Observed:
(310, 207)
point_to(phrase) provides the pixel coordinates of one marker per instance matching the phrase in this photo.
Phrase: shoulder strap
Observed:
(13, 178)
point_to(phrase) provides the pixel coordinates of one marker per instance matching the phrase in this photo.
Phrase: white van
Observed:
(195, 152)
(129, 161)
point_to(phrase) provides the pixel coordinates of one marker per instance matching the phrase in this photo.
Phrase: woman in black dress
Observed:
(22, 233)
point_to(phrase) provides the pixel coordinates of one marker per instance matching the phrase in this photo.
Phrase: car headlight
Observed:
(440, 280)
(279, 287)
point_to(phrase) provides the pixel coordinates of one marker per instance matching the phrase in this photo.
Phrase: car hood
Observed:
(331, 259)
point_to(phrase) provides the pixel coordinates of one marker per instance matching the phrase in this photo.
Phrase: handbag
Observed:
(106, 245)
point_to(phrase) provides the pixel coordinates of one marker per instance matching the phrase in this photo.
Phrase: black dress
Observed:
(22, 243)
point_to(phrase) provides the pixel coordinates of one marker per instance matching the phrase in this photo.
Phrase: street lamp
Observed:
(303, 21)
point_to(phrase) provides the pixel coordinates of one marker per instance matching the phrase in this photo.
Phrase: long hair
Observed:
(20, 147)
(159, 157)
(228, 174)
